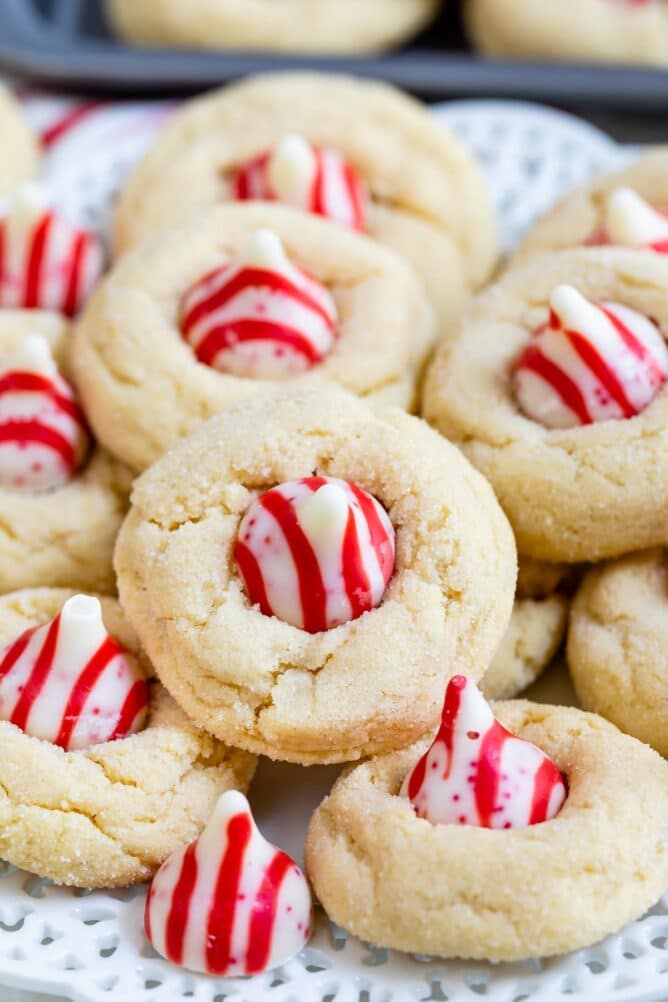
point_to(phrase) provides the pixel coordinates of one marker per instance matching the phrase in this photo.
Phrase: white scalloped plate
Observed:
(90, 946)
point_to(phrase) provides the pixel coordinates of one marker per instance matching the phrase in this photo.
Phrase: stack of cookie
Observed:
(307, 570)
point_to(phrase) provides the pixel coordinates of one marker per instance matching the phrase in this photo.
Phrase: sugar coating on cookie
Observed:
(316, 552)
(477, 773)
(260, 316)
(43, 432)
(70, 683)
(631, 221)
(46, 262)
(592, 361)
(307, 177)
(230, 903)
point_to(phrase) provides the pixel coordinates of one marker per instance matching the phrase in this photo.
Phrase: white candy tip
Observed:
(265, 250)
(292, 146)
(33, 355)
(82, 610)
(30, 196)
(568, 303)
(227, 806)
(324, 512)
(625, 198)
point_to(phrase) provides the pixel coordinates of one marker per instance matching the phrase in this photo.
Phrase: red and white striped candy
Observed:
(302, 175)
(46, 262)
(260, 316)
(630, 221)
(590, 362)
(230, 903)
(478, 773)
(70, 683)
(43, 432)
(315, 552)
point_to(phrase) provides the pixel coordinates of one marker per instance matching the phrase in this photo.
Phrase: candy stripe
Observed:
(38, 434)
(221, 917)
(256, 277)
(315, 567)
(534, 360)
(230, 903)
(594, 362)
(15, 651)
(34, 382)
(603, 372)
(238, 331)
(180, 906)
(45, 261)
(37, 678)
(263, 916)
(311, 586)
(35, 260)
(70, 683)
(82, 690)
(135, 703)
(69, 121)
(488, 777)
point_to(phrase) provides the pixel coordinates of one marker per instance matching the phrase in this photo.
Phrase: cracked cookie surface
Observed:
(290, 26)
(572, 495)
(64, 536)
(18, 145)
(504, 895)
(427, 196)
(618, 645)
(370, 684)
(108, 815)
(141, 383)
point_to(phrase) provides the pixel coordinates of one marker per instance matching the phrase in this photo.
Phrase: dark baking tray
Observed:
(66, 43)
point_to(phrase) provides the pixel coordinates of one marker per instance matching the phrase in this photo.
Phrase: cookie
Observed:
(424, 196)
(300, 693)
(536, 631)
(62, 499)
(502, 895)
(109, 814)
(617, 645)
(605, 211)
(20, 152)
(557, 394)
(218, 310)
(345, 26)
(628, 31)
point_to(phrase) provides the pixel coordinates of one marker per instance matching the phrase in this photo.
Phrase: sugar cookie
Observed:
(425, 195)
(341, 26)
(576, 456)
(501, 895)
(61, 499)
(617, 645)
(376, 680)
(219, 310)
(18, 145)
(109, 814)
(609, 31)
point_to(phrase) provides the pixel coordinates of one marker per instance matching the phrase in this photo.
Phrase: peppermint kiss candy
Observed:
(43, 432)
(46, 262)
(260, 316)
(315, 552)
(230, 903)
(478, 773)
(70, 683)
(590, 362)
(632, 222)
(308, 178)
